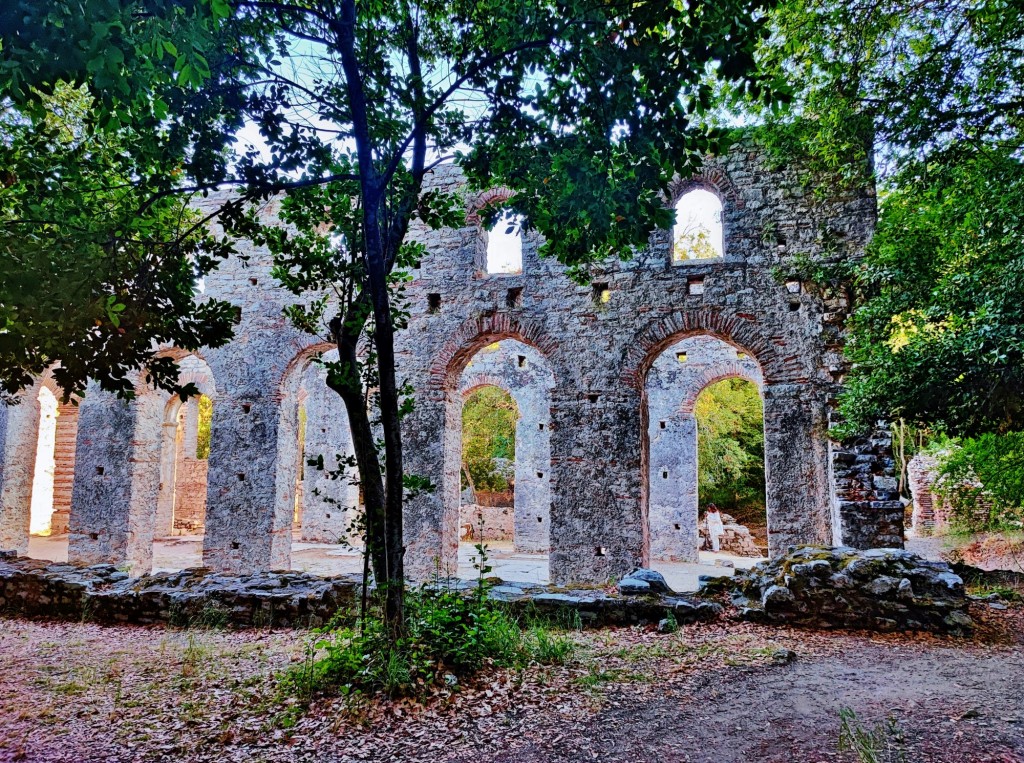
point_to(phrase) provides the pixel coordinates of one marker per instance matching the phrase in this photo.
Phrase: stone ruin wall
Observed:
(600, 355)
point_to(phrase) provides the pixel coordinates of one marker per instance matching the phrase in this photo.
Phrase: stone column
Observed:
(432, 446)
(251, 483)
(797, 491)
(532, 513)
(19, 436)
(329, 506)
(117, 480)
(597, 528)
(672, 498)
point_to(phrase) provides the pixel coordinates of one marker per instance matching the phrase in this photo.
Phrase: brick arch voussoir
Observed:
(732, 369)
(740, 331)
(490, 197)
(713, 179)
(455, 353)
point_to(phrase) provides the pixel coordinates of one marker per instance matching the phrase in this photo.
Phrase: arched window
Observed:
(698, 231)
(505, 244)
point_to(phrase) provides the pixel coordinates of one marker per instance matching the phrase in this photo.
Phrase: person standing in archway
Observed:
(713, 520)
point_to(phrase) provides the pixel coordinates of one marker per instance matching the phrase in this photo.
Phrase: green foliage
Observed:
(939, 338)
(882, 743)
(205, 420)
(982, 479)
(730, 448)
(489, 417)
(447, 634)
(930, 97)
(92, 276)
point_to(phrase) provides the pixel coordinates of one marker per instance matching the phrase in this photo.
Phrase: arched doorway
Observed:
(316, 475)
(507, 388)
(185, 440)
(679, 390)
(38, 443)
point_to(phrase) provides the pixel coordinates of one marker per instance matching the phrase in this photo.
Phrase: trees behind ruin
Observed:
(582, 110)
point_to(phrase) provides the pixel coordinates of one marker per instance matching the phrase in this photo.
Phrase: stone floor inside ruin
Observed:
(331, 559)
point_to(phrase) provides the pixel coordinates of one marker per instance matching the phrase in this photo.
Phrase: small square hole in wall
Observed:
(234, 545)
(540, 520)
(433, 303)
(593, 398)
(241, 477)
(794, 305)
(681, 357)
(661, 425)
(237, 312)
(246, 407)
(540, 475)
(664, 475)
(540, 427)
(328, 516)
(94, 536)
(695, 286)
(254, 281)
(521, 361)
(599, 551)
(99, 470)
(514, 297)
(678, 527)
(602, 294)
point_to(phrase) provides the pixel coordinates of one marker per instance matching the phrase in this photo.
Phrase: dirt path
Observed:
(726, 692)
(948, 704)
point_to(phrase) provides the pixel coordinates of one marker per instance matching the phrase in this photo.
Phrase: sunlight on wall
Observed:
(42, 483)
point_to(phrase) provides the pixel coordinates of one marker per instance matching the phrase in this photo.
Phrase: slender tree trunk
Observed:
(394, 488)
(349, 387)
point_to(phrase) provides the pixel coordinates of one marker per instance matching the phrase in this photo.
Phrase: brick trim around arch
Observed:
(777, 366)
(711, 178)
(475, 333)
(717, 372)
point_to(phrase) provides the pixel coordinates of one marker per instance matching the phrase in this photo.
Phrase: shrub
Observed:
(447, 634)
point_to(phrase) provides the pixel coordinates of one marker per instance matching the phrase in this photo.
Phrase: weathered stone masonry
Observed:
(600, 343)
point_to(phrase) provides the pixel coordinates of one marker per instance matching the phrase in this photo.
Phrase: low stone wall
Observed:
(103, 594)
(883, 589)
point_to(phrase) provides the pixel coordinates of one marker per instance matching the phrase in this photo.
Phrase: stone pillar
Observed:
(672, 498)
(797, 496)
(251, 483)
(170, 436)
(432, 446)
(597, 528)
(329, 506)
(532, 513)
(867, 511)
(19, 427)
(117, 480)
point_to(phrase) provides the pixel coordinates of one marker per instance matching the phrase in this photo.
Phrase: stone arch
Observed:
(529, 382)
(738, 329)
(476, 333)
(712, 375)
(713, 179)
(490, 197)
(181, 500)
(305, 498)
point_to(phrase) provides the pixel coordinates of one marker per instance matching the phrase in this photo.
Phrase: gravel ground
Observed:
(722, 692)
